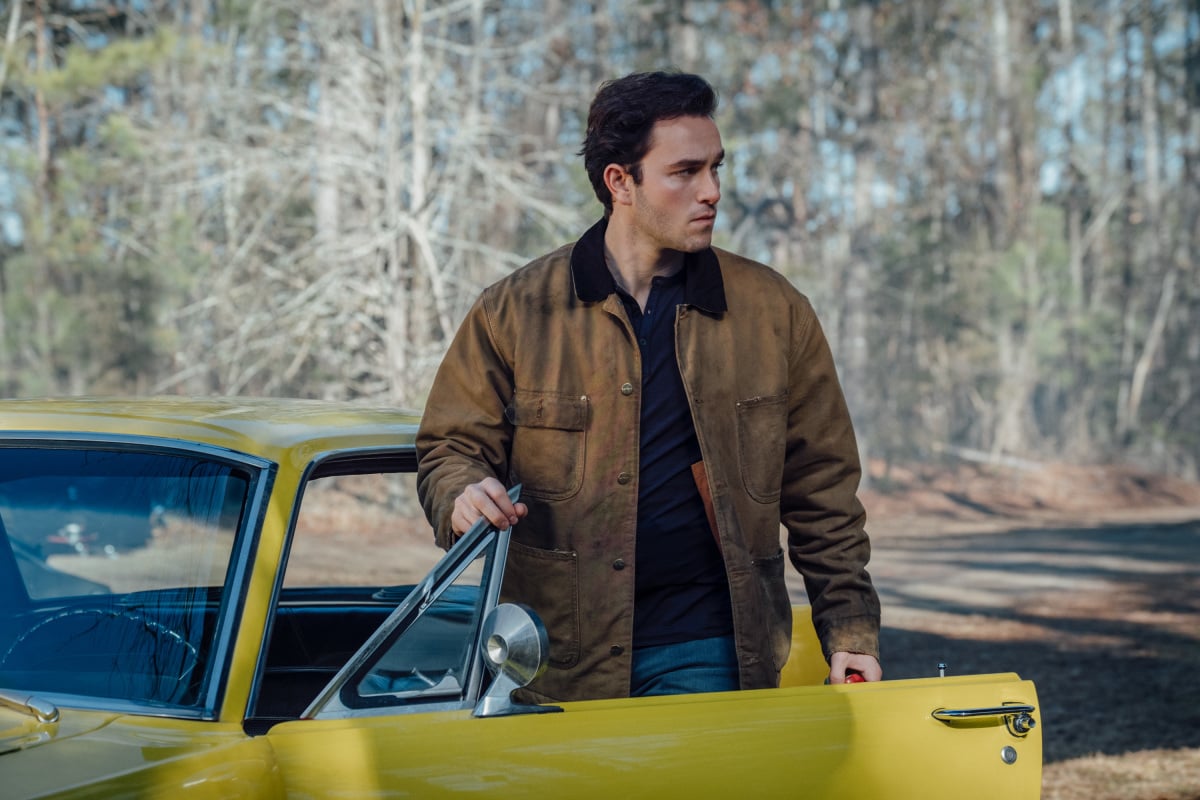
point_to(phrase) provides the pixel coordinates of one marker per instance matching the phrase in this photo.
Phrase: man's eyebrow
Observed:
(696, 162)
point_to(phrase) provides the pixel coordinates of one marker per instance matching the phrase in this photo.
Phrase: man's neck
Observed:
(634, 264)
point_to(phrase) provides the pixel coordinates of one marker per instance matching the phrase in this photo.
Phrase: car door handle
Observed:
(1019, 718)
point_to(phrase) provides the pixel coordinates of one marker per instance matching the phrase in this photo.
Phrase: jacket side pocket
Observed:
(777, 605)
(548, 581)
(548, 443)
(762, 443)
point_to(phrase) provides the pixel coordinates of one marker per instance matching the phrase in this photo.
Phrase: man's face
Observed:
(675, 204)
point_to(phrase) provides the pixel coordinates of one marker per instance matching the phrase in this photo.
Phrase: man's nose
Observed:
(710, 189)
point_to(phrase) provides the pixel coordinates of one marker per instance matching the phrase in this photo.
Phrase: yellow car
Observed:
(241, 598)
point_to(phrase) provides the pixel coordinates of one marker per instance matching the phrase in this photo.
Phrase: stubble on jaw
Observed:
(655, 226)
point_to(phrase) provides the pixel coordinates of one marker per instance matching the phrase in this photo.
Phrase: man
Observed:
(665, 406)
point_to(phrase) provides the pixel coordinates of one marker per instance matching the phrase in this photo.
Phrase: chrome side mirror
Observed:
(515, 649)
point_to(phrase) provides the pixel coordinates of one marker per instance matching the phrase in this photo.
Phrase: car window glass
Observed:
(360, 530)
(433, 656)
(122, 556)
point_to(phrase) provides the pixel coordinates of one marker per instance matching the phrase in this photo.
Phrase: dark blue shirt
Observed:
(681, 591)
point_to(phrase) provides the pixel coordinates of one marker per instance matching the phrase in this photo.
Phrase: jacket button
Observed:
(627, 389)
(616, 650)
(624, 478)
(619, 564)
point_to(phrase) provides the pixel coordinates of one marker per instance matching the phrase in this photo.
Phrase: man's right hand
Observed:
(487, 498)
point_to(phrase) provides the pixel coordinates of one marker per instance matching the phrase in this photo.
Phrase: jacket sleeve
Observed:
(464, 436)
(825, 521)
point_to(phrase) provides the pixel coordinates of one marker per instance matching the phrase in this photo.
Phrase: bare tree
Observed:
(994, 212)
(388, 140)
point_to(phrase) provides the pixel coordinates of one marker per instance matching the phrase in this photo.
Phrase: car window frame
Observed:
(328, 463)
(328, 704)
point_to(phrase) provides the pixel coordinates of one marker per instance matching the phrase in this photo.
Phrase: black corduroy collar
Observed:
(704, 288)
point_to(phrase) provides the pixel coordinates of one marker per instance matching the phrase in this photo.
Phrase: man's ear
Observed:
(619, 183)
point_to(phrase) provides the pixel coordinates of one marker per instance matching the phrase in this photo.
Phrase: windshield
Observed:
(112, 569)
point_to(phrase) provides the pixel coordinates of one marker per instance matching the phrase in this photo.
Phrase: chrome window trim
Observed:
(68, 439)
(229, 621)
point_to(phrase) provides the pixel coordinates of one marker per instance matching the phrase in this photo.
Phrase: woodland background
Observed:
(993, 204)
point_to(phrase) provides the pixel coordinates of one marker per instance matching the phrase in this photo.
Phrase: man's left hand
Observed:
(842, 664)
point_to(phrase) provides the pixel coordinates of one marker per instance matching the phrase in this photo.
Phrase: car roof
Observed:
(266, 427)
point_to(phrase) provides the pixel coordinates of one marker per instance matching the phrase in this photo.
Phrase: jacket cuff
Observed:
(443, 533)
(852, 635)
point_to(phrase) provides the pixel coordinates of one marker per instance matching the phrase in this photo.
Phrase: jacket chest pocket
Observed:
(762, 444)
(549, 442)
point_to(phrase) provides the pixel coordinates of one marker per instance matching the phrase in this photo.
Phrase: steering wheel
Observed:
(107, 652)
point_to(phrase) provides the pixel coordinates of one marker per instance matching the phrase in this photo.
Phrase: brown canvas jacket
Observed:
(541, 387)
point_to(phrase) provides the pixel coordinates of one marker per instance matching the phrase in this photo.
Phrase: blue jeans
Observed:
(703, 665)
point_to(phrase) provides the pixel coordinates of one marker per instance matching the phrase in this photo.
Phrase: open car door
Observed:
(411, 715)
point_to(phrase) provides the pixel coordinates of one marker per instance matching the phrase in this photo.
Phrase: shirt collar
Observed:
(703, 287)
